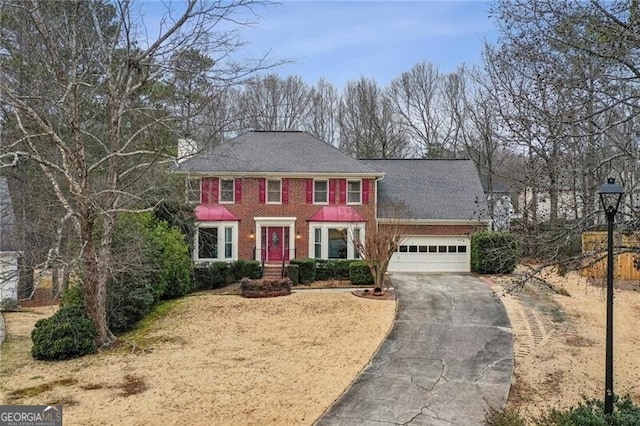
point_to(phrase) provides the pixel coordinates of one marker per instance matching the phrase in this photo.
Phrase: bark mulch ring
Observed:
(389, 294)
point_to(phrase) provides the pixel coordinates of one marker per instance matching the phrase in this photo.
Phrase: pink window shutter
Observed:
(365, 191)
(285, 191)
(262, 183)
(309, 191)
(343, 191)
(205, 190)
(332, 191)
(215, 190)
(238, 189)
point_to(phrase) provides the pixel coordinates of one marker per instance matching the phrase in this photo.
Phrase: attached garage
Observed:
(432, 254)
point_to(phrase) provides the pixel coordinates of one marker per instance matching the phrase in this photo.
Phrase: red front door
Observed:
(275, 244)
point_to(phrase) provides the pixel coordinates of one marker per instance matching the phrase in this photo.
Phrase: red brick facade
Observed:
(297, 206)
(442, 230)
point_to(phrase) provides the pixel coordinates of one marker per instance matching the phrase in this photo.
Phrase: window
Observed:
(317, 245)
(192, 186)
(227, 190)
(274, 193)
(462, 249)
(354, 194)
(337, 243)
(403, 249)
(422, 249)
(320, 191)
(335, 240)
(216, 242)
(452, 249)
(356, 242)
(413, 249)
(442, 249)
(228, 242)
(208, 243)
(433, 249)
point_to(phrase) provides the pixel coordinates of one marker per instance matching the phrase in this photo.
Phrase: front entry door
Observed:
(275, 244)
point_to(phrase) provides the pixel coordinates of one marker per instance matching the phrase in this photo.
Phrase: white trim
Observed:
(359, 192)
(399, 221)
(266, 222)
(266, 191)
(324, 239)
(323, 203)
(220, 226)
(306, 175)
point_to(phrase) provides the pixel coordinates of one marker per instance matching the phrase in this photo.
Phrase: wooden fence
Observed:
(594, 248)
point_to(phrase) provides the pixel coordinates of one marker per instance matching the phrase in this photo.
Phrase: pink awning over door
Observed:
(337, 214)
(213, 213)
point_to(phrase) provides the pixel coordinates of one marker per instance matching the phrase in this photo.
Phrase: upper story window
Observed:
(192, 186)
(320, 191)
(354, 192)
(227, 190)
(274, 191)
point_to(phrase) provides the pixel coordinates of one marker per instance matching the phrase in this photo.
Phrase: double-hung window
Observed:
(216, 241)
(320, 191)
(193, 190)
(354, 192)
(274, 191)
(227, 190)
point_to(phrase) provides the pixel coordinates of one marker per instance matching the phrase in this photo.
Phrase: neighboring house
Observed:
(499, 200)
(275, 196)
(570, 204)
(9, 255)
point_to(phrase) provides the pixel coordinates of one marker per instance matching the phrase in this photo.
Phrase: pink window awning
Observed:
(213, 213)
(337, 214)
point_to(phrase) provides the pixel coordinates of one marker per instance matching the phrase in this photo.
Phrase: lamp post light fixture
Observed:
(610, 196)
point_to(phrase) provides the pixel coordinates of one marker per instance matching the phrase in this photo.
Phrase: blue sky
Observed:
(343, 40)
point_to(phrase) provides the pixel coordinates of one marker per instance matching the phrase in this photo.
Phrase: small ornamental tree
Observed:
(380, 242)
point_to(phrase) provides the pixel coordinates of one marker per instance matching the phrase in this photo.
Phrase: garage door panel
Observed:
(432, 254)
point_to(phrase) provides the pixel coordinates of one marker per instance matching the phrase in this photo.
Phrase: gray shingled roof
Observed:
(430, 189)
(273, 152)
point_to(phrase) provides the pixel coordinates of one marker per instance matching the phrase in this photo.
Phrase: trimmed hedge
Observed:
(333, 269)
(494, 252)
(293, 272)
(360, 274)
(212, 275)
(307, 269)
(265, 288)
(66, 334)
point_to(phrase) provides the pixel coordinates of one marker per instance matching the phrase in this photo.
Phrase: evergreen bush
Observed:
(494, 252)
(360, 274)
(66, 334)
(307, 269)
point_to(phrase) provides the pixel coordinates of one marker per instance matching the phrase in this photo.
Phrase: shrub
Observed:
(66, 334)
(129, 299)
(589, 412)
(307, 269)
(333, 269)
(493, 252)
(360, 274)
(265, 288)
(170, 260)
(245, 269)
(213, 275)
(293, 272)
(73, 296)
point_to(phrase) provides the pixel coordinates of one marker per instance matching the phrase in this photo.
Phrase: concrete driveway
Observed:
(448, 357)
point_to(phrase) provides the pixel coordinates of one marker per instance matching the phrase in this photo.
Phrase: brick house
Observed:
(276, 196)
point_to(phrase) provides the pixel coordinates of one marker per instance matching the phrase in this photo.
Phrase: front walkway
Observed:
(447, 358)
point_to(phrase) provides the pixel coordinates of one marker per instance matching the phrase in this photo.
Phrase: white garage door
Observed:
(432, 254)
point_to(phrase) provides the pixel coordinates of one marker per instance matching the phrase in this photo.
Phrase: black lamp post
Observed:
(610, 196)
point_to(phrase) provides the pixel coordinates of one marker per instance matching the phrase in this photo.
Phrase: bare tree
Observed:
(323, 116)
(380, 242)
(77, 81)
(272, 103)
(368, 126)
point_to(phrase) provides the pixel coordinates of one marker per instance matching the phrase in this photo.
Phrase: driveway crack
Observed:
(491, 365)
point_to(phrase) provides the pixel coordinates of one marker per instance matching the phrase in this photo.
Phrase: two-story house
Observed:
(275, 196)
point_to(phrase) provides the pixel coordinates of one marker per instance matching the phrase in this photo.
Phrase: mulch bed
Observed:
(369, 294)
(41, 297)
